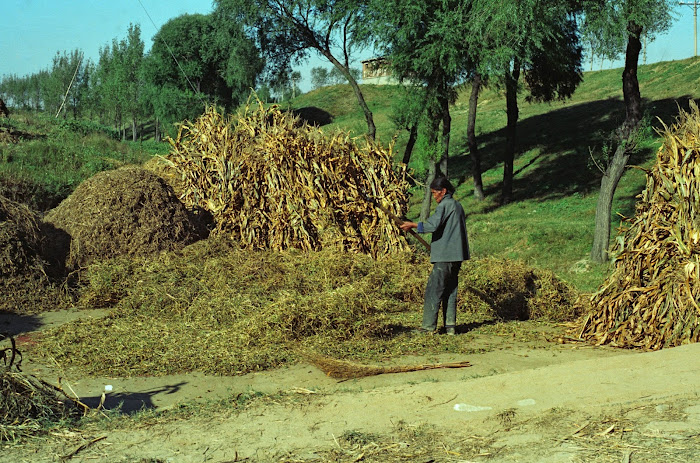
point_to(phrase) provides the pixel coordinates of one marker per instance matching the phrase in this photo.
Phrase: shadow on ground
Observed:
(130, 402)
(14, 324)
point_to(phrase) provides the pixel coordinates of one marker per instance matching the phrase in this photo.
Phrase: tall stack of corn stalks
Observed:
(651, 300)
(273, 182)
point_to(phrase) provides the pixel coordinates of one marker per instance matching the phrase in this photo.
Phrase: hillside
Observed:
(550, 222)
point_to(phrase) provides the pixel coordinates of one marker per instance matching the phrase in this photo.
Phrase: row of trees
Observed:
(532, 46)
(194, 59)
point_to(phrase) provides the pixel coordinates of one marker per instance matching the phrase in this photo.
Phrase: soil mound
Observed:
(652, 298)
(128, 211)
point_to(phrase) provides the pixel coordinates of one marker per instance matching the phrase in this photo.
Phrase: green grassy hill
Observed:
(550, 222)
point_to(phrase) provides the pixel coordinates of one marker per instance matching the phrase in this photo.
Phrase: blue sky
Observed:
(34, 30)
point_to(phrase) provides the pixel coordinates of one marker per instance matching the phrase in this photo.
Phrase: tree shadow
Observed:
(563, 137)
(129, 403)
(313, 115)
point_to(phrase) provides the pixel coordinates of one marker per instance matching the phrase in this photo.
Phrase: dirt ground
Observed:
(520, 401)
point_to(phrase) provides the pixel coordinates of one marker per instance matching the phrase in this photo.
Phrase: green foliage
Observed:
(197, 59)
(605, 22)
(85, 127)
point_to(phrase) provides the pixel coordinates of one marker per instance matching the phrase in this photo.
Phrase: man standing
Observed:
(449, 247)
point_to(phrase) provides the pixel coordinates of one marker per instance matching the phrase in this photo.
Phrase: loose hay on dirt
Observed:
(127, 211)
(217, 309)
(652, 298)
(273, 182)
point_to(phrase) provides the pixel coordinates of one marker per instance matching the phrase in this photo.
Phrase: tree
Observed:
(319, 77)
(336, 77)
(287, 30)
(57, 85)
(618, 25)
(535, 38)
(424, 43)
(476, 85)
(195, 59)
(132, 60)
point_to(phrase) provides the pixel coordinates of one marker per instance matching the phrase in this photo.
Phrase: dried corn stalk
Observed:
(651, 300)
(272, 182)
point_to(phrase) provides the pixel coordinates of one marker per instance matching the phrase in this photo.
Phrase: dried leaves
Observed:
(651, 298)
(272, 182)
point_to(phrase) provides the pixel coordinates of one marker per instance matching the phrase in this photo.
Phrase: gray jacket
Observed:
(447, 224)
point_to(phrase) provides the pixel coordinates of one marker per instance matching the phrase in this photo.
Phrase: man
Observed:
(449, 247)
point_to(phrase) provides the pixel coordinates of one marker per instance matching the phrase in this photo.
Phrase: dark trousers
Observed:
(441, 289)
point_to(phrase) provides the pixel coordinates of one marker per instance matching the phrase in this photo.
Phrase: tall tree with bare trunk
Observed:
(619, 25)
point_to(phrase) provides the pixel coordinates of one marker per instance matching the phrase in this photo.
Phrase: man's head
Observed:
(440, 187)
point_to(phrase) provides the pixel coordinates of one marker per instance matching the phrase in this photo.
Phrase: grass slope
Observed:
(550, 222)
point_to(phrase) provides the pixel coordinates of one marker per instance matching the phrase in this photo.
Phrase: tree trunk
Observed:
(446, 127)
(133, 129)
(603, 209)
(616, 165)
(371, 128)
(471, 139)
(427, 197)
(412, 137)
(512, 78)
(432, 165)
(157, 135)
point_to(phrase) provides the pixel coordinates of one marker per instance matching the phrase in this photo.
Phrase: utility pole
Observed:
(695, 22)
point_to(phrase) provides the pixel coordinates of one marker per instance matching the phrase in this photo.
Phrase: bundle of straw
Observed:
(651, 299)
(273, 182)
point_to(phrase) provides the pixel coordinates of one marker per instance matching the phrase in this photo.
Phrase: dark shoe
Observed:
(450, 330)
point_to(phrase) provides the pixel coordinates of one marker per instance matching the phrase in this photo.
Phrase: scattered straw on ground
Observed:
(273, 182)
(127, 211)
(217, 309)
(651, 300)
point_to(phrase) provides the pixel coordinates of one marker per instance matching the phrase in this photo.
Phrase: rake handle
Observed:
(399, 222)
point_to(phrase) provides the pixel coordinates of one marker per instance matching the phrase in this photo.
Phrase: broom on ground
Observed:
(343, 369)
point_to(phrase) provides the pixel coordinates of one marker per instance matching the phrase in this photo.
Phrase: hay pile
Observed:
(128, 211)
(20, 239)
(25, 286)
(273, 182)
(651, 300)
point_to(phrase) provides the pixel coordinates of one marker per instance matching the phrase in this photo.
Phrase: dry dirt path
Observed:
(517, 403)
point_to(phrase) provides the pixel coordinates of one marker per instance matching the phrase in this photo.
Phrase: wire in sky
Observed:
(196, 92)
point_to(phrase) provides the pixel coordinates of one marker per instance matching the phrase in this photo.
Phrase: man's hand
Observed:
(406, 226)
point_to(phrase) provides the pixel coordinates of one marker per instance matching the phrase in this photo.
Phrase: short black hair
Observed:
(441, 182)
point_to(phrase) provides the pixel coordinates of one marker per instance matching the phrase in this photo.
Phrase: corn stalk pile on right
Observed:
(652, 298)
(273, 182)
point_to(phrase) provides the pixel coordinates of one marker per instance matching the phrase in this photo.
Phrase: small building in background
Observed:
(376, 71)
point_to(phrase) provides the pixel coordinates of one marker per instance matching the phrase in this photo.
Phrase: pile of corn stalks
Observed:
(273, 182)
(651, 299)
